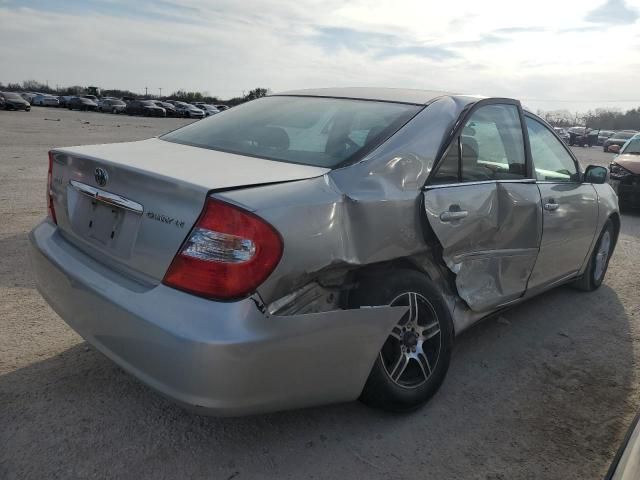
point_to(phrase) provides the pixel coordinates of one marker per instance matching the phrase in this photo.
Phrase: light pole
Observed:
(160, 88)
(145, 91)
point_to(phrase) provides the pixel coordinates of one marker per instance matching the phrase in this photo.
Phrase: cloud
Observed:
(381, 45)
(509, 30)
(613, 12)
(433, 52)
(483, 40)
(226, 46)
(334, 38)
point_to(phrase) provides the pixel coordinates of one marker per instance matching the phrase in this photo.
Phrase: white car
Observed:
(208, 109)
(45, 101)
(189, 111)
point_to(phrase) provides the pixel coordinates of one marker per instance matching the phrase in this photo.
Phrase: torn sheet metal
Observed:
(492, 249)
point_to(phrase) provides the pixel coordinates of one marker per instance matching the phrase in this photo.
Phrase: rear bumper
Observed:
(217, 358)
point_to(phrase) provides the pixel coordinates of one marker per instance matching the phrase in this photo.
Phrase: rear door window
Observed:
(490, 147)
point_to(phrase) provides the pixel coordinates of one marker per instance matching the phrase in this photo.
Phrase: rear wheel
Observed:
(415, 356)
(599, 261)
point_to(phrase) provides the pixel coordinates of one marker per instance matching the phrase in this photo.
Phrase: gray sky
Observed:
(552, 55)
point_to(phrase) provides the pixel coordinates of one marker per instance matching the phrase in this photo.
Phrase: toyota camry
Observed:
(316, 246)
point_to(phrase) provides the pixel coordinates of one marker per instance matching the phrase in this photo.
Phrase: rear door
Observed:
(570, 209)
(483, 206)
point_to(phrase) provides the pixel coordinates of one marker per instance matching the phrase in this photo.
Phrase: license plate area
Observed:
(104, 223)
(96, 217)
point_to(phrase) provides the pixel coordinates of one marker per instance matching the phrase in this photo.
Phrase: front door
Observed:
(570, 209)
(485, 209)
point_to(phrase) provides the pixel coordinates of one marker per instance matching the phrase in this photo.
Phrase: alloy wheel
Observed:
(410, 353)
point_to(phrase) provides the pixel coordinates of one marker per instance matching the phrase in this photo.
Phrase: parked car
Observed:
(282, 261)
(562, 133)
(626, 463)
(13, 101)
(63, 100)
(208, 109)
(81, 103)
(583, 136)
(93, 98)
(625, 173)
(112, 105)
(603, 135)
(189, 111)
(222, 107)
(45, 101)
(145, 108)
(28, 96)
(168, 107)
(618, 138)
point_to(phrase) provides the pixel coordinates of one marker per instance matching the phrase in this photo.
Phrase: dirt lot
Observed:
(547, 390)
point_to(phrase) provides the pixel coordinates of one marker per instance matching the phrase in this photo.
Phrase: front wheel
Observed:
(415, 357)
(599, 261)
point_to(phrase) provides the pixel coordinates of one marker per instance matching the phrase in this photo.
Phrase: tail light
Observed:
(228, 253)
(51, 211)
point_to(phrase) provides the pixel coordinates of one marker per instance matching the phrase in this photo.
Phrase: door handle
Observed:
(454, 213)
(551, 205)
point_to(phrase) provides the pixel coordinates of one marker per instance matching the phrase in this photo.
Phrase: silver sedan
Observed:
(316, 246)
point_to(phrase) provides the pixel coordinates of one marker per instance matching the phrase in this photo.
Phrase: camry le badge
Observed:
(101, 176)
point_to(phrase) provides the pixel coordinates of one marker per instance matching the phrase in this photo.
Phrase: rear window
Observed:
(323, 132)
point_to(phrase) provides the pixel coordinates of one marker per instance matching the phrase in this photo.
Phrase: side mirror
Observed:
(596, 174)
(614, 148)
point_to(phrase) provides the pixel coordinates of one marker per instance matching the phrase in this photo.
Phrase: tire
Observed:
(114, 111)
(404, 376)
(599, 261)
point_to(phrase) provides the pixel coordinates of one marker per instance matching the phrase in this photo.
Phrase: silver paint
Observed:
(224, 358)
(335, 225)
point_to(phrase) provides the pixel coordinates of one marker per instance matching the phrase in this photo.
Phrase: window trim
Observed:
(549, 128)
(455, 131)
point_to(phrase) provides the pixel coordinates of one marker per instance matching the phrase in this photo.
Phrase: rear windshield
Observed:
(323, 132)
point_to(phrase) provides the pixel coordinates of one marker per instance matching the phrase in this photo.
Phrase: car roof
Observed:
(402, 95)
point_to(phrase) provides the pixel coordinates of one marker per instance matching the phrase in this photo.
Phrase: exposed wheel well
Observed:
(424, 265)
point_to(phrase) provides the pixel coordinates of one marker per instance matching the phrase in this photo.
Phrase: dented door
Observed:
(490, 235)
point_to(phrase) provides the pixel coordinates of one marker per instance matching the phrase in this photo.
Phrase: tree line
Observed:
(599, 119)
(180, 95)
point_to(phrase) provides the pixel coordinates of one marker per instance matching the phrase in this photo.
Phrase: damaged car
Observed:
(625, 173)
(316, 246)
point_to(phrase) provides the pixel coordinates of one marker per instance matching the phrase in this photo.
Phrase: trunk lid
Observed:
(131, 205)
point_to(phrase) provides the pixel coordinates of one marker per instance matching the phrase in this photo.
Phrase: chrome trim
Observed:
(571, 182)
(482, 182)
(107, 197)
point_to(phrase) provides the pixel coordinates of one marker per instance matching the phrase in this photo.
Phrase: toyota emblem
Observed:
(101, 176)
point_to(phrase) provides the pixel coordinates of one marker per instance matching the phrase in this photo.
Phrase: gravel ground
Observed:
(545, 391)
